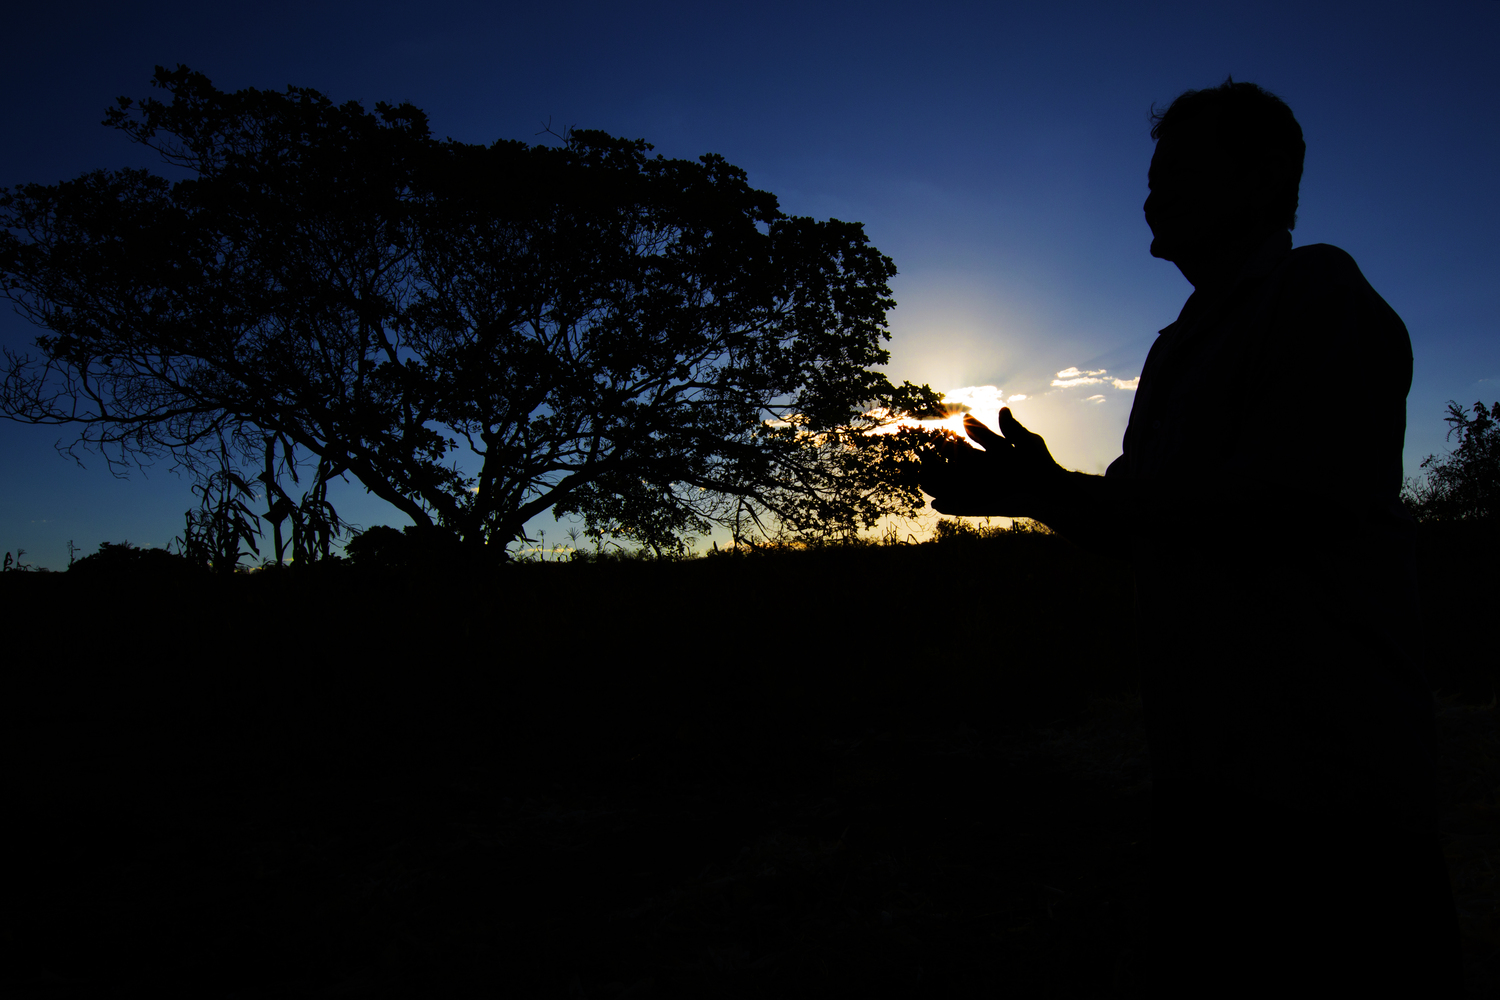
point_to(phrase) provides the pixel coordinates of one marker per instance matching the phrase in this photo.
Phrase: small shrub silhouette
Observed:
(413, 548)
(114, 560)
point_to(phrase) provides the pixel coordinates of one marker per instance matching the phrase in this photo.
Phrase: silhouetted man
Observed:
(1290, 726)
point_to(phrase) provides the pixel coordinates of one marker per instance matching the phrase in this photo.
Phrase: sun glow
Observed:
(983, 401)
(1080, 413)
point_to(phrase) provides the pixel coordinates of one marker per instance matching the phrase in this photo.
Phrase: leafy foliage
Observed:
(648, 343)
(1464, 485)
(382, 548)
(214, 532)
(312, 518)
(124, 562)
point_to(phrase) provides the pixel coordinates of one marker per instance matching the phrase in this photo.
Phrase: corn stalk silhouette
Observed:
(223, 521)
(314, 522)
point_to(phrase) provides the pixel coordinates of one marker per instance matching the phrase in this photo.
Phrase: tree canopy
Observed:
(1463, 485)
(649, 343)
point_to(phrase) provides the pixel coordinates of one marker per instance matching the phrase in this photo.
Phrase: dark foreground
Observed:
(807, 774)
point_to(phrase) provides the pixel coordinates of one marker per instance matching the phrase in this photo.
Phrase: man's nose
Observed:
(1167, 205)
(1150, 207)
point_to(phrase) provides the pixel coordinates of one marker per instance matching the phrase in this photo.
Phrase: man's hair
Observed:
(1253, 126)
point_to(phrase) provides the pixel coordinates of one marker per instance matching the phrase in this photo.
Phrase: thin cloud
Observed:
(1068, 378)
(1094, 399)
(1071, 376)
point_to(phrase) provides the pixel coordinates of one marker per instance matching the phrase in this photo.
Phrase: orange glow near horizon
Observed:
(982, 401)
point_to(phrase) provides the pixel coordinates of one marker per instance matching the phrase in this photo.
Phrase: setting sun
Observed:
(983, 401)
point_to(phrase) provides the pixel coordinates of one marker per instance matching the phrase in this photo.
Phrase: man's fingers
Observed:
(986, 437)
(942, 449)
(934, 479)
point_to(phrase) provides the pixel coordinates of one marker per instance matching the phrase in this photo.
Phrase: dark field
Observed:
(795, 774)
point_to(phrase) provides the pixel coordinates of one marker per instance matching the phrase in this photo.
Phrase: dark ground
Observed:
(726, 778)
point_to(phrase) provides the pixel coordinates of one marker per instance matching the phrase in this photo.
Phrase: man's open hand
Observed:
(1014, 476)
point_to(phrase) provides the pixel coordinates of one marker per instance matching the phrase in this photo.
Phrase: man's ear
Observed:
(1263, 185)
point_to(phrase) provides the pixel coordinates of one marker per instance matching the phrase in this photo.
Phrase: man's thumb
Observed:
(1018, 435)
(1010, 426)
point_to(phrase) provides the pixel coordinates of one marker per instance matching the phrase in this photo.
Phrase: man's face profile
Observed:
(1186, 205)
(1201, 200)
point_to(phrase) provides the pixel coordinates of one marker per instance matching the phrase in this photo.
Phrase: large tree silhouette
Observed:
(647, 342)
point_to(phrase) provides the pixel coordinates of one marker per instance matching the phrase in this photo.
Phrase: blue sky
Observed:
(997, 152)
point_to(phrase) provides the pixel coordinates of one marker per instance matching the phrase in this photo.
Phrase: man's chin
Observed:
(1163, 248)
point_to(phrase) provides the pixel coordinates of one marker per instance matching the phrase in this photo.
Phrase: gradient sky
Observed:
(997, 152)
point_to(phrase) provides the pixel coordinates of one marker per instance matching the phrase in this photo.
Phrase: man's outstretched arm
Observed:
(1016, 476)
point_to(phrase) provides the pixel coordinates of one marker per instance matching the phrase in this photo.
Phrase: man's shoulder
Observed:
(1322, 294)
(1325, 261)
(1320, 271)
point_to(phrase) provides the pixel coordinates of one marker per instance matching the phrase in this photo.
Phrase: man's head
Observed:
(1227, 167)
